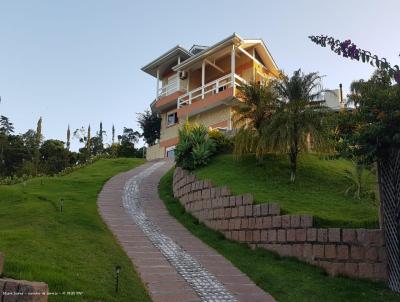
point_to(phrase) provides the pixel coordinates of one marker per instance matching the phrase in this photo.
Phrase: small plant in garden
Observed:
(223, 143)
(195, 147)
(359, 181)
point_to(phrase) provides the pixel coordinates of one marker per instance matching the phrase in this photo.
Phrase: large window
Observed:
(172, 118)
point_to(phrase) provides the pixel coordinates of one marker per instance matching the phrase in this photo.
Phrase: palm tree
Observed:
(298, 116)
(256, 107)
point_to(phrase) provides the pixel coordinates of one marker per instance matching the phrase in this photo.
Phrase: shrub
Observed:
(195, 147)
(223, 143)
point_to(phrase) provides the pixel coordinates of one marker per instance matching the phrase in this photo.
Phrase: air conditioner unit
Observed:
(182, 75)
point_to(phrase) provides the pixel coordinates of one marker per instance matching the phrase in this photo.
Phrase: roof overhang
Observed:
(166, 61)
(236, 40)
(233, 39)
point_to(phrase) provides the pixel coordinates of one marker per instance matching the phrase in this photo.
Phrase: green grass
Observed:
(318, 190)
(287, 279)
(72, 250)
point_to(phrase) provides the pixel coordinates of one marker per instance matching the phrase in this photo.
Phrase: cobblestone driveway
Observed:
(175, 265)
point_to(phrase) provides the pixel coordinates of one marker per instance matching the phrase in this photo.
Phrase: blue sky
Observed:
(78, 61)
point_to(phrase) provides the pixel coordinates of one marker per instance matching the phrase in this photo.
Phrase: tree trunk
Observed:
(389, 185)
(293, 163)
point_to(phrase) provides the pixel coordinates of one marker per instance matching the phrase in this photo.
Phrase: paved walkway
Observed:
(175, 265)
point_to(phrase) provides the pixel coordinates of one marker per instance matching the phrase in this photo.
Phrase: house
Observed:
(199, 85)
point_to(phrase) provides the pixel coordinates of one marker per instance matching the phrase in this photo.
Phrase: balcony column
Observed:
(158, 83)
(254, 65)
(178, 78)
(233, 67)
(203, 76)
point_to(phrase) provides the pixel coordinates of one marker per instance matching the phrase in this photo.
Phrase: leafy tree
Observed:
(376, 119)
(296, 117)
(54, 157)
(150, 123)
(6, 127)
(127, 143)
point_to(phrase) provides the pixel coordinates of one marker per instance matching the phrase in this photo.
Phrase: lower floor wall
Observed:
(155, 152)
(352, 252)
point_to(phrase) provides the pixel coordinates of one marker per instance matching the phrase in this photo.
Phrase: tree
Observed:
(54, 156)
(38, 140)
(6, 127)
(128, 140)
(296, 117)
(255, 110)
(113, 134)
(375, 137)
(88, 141)
(100, 145)
(68, 138)
(150, 123)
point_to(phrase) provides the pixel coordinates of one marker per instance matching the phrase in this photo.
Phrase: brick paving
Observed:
(175, 265)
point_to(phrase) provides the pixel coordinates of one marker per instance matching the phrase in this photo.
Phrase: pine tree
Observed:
(88, 141)
(38, 140)
(101, 133)
(68, 138)
(113, 134)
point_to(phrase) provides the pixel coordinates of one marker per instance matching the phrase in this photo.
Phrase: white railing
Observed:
(211, 88)
(167, 89)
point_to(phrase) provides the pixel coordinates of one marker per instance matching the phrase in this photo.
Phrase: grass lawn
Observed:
(318, 190)
(72, 250)
(287, 279)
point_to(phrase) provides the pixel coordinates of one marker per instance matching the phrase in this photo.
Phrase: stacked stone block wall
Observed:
(20, 290)
(352, 252)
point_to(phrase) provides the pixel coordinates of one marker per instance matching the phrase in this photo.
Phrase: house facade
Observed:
(200, 85)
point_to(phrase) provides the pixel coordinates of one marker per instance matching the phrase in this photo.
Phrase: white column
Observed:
(203, 75)
(254, 67)
(158, 82)
(178, 79)
(233, 66)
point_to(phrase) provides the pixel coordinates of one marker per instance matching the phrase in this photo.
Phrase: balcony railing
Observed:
(211, 88)
(167, 89)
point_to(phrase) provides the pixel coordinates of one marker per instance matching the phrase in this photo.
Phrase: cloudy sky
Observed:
(78, 62)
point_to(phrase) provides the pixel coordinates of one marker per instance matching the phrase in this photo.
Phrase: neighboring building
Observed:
(199, 85)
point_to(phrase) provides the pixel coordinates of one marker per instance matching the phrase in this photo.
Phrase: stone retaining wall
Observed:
(20, 290)
(352, 252)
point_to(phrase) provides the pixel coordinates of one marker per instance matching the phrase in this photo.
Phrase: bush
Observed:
(223, 143)
(195, 147)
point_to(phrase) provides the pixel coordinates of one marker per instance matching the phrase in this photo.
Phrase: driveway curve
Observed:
(174, 265)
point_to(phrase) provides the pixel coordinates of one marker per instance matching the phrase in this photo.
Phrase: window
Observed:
(170, 152)
(172, 118)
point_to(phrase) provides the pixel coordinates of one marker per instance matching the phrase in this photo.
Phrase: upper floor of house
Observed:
(201, 78)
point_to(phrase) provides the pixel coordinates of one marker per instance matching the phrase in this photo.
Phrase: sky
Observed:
(77, 62)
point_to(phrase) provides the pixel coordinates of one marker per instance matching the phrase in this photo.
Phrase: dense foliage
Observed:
(150, 123)
(195, 147)
(372, 129)
(26, 155)
(283, 116)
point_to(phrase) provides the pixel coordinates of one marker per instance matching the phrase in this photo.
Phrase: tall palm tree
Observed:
(297, 116)
(256, 107)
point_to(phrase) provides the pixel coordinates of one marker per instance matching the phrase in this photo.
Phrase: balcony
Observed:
(213, 88)
(168, 89)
